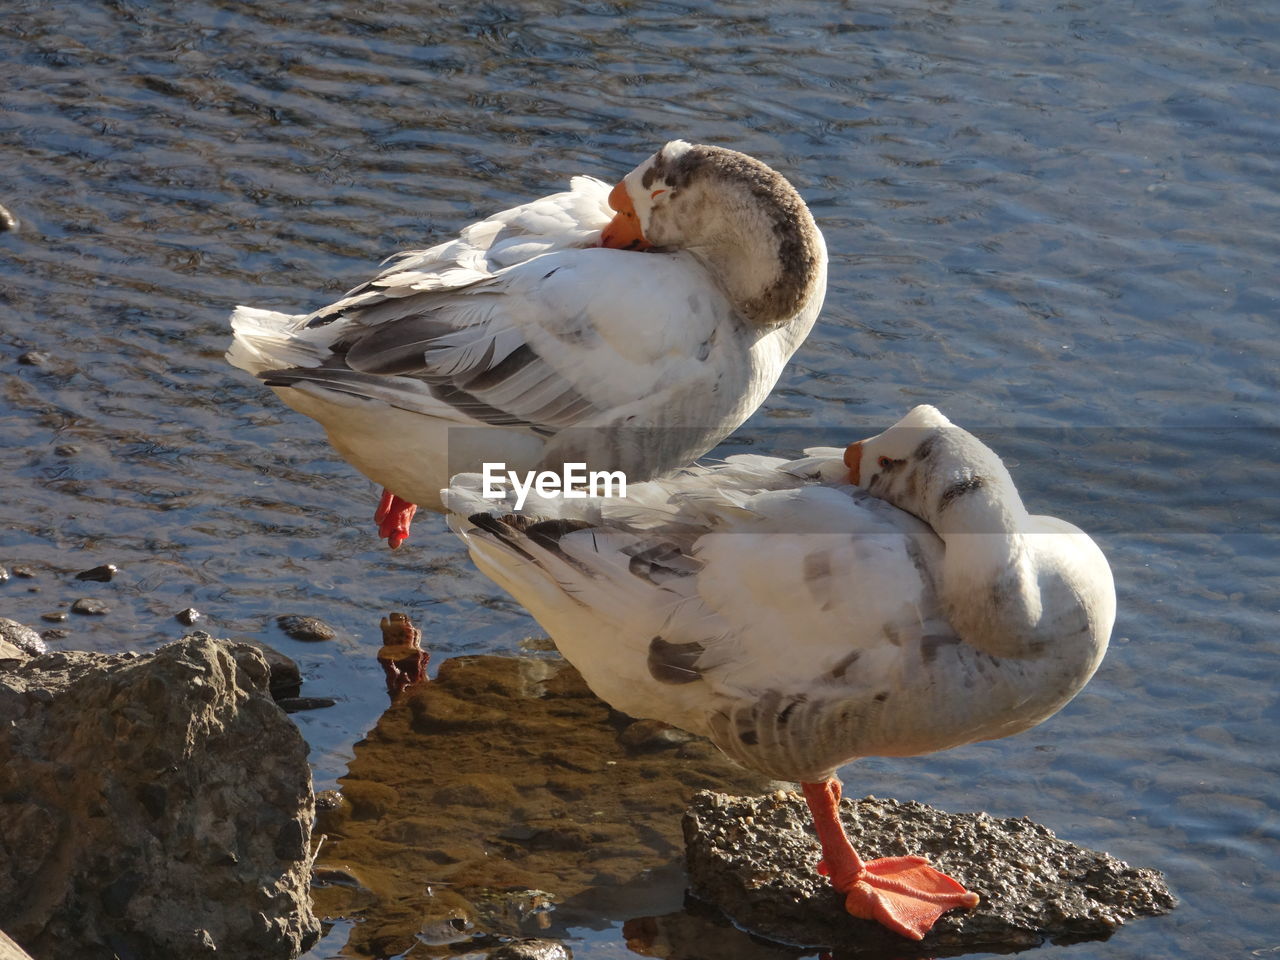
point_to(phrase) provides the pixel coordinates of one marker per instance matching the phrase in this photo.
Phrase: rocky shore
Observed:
(154, 806)
(160, 805)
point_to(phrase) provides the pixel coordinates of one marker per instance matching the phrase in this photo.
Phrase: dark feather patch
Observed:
(660, 562)
(674, 663)
(843, 665)
(959, 489)
(924, 452)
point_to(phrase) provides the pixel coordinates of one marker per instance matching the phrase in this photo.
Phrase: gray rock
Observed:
(188, 617)
(311, 629)
(160, 806)
(286, 677)
(22, 637)
(532, 950)
(297, 704)
(89, 607)
(9, 950)
(754, 858)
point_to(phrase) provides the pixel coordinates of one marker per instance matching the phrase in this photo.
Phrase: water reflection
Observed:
(502, 799)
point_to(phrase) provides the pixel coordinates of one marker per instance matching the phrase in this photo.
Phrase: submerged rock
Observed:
(754, 858)
(310, 629)
(159, 806)
(89, 607)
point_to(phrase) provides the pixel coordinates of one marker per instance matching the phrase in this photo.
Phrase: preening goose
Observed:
(629, 329)
(894, 601)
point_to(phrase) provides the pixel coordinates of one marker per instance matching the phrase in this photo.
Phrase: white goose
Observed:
(629, 329)
(805, 614)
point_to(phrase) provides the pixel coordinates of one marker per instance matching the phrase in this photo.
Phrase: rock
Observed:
(754, 858)
(188, 617)
(66, 449)
(89, 607)
(532, 950)
(10, 950)
(33, 358)
(286, 678)
(54, 616)
(54, 634)
(8, 222)
(103, 573)
(306, 628)
(4, 574)
(22, 637)
(160, 806)
(294, 704)
(23, 571)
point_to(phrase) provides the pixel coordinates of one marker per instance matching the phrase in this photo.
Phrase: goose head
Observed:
(944, 475)
(741, 218)
(1013, 585)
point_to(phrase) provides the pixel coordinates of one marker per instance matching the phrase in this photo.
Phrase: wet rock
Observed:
(532, 950)
(4, 574)
(188, 617)
(66, 449)
(161, 806)
(286, 678)
(23, 571)
(89, 607)
(9, 950)
(22, 637)
(33, 358)
(54, 616)
(55, 634)
(311, 629)
(8, 222)
(754, 858)
(295, 704)
(103, 573)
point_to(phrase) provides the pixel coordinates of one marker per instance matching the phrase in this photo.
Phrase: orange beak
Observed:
(623, 231)
(853, 460)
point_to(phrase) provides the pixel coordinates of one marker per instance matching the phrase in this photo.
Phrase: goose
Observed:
(629, 328)
(893, 599)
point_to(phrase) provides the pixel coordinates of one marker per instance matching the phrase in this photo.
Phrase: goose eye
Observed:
(885, 463)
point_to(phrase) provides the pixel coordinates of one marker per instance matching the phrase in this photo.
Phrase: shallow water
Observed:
(1059, 223)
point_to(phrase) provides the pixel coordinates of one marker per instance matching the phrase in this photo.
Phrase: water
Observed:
(1059, 223)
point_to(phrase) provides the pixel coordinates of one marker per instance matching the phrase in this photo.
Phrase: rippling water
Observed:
(1058, 222)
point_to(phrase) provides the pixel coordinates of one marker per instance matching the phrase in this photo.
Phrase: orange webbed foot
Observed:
(393, 517)
(905, 894)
